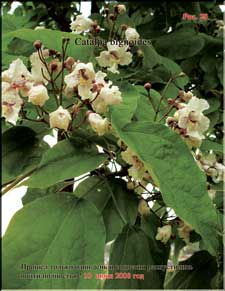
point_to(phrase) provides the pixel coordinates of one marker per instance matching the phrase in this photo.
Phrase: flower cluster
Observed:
(137, 169)
(189, 120)
(81, 82)
(18, 82)
(211, 167)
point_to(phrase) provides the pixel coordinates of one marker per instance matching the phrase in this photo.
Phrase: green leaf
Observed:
(52, 39)
(64, 161)
(11, 22)
(35, 193)
(55, 230)
(133, 248)
(174, 170)
(208, 145)
(117, 205)
(174, 70)
(180, 44)
(21, 151)
(121, 209)
(204, 268)
(94, 189)
(151, 57)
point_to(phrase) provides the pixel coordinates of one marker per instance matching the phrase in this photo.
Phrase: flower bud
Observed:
(52, 52)
(106, 10)
(140, 53)
(69, 62)
(181, 93)
(124, 26)
(38, 95)
(98, 29)
(131, 34)
(147, 86)
(55, 65)
(37, 44)
(112, 17)
(120, 9)
(60, 118)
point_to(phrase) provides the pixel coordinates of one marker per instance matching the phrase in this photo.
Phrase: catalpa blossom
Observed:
(103, 94)
(38, 95)
(164, 233)
(60, 118)
(184, 231)
(99, 125)
(81, 24)
(137, 170)
(11, 103)
(211, 167)
(81, 77)
(131, 34)
(107, 96)
(116, 55)
(18, 77)
(190, 121)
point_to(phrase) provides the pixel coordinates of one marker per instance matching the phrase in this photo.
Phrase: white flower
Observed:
(115, 56)
(38, 68)
(164, 233)
(137, 171)
(143, 207)
(18, 77)
(98, 124)
(184, 231)
(191, 118)
(11, 103)
(38, 95)
(17, 72)
(121, 8)
(82, 76)
(107, 96)
(131, 34)
(211, 167)
(60, 118)
(81, 24)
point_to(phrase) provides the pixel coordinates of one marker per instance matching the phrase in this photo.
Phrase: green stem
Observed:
(162, 96)
(17, 181)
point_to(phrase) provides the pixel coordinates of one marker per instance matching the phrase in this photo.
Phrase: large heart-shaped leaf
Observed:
(21, 151)
(132, 249)
(58, 230)
(117, 205)
(64, 161)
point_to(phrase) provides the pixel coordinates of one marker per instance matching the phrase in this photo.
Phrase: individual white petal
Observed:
(84, 91)
(197, 104)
